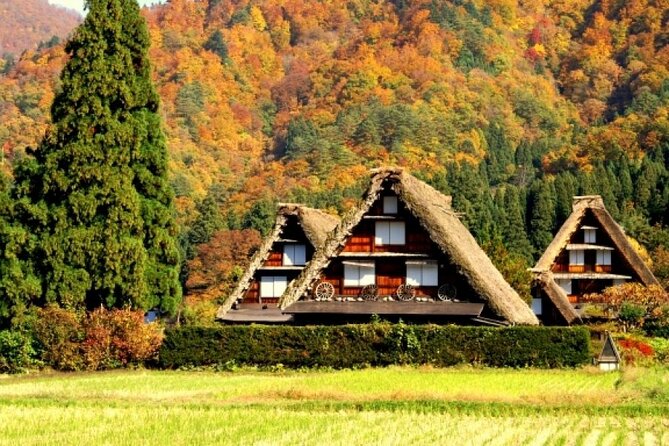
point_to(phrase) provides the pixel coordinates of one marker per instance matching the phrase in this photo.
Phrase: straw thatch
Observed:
(433, 210)
(595, 205)
(583, 205)
(316, 225)
(556, 294)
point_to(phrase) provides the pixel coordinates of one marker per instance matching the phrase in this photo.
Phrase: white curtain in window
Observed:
(603, 257)
(359, 273)
(390, 233)
(577, 257)
(390, 205)
(273, 286)
(294, 254)
(422, 273)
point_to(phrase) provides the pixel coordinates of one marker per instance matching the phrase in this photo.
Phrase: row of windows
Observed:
(359, 273)
(577, 257)
(566, 284)
(418, 273)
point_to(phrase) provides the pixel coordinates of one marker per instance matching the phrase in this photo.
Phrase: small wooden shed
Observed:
(609, 358)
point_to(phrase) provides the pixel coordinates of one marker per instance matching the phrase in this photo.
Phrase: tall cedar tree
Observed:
(96, 195)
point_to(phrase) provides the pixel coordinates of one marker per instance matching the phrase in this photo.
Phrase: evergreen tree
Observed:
(541, 214)
(216, 44)
(96, 194)
(565, 189)
(208, 221)
(515, 235)
(260, 217)
(18, 285)
(625, 182)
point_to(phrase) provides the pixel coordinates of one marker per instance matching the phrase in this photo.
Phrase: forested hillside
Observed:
(512, 107)
(27, 23)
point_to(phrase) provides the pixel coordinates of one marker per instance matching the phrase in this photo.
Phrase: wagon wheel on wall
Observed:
(369, 292)
(324, 291)
(447, 292)
(405, 292)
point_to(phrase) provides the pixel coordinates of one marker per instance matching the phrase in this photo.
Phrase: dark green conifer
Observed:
(515, 235)
(18, 284)
(96, 193)
(541, 214)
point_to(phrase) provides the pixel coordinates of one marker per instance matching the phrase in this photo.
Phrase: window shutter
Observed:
(351, 274)
(367, 274)
(414, 274)
(288, 255)
(300, 254)
(267, 286)
(382, 233)
(397, 233)
(390, 205)
(280, 285)
(430, 274)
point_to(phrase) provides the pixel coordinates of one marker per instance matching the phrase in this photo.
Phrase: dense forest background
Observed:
(510, 106)
(26, 24)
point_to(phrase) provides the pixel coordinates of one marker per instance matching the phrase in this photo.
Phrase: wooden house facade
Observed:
(297, 232)
(403, 253)
(589, 253)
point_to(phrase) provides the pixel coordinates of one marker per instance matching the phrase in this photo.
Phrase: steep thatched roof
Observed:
(433, 211)
(557, 295)
(316, 225)
(583, 205)
(595, 205)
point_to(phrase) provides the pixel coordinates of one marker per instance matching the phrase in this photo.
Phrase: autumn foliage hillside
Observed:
(294, 100)
(26, 23)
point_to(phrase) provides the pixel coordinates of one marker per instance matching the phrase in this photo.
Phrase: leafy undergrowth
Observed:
(395, 405)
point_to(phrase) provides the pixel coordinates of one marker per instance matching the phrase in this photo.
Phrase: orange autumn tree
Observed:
(632, 304)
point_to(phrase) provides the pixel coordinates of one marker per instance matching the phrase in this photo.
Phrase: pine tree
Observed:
(18, 285)
(565, 189)
(514, 235)
(96, 193)
(541, 214)
(208, 221)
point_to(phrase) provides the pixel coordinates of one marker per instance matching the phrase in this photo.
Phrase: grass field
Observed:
(399, 406)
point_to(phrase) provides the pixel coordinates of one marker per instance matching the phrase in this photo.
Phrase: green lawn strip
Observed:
(478, 408)
(390, 383)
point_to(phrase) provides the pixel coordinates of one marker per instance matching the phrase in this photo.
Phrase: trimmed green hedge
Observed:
(349, 346)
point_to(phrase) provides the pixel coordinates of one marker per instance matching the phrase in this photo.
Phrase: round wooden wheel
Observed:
(447, 292)
(369, 292)
(324, 291)
(405, 292)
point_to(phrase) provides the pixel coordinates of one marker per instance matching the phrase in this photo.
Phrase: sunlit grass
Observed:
(374, 406)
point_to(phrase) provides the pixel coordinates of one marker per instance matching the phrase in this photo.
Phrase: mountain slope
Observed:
(26, 23)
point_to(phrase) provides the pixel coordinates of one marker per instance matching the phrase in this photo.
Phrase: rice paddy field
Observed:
(392, 406)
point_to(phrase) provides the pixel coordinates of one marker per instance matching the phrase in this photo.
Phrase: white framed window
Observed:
(422, 273)
(590, 235)
(565, 284)
(603, 257)
(537, 306)
(390, 205)
(294, 254)
(390, 233)
(358, 273)
(273, 286)
(577, 257)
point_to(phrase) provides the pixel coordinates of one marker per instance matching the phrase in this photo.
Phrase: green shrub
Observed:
(351, 346)
(16, 352)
